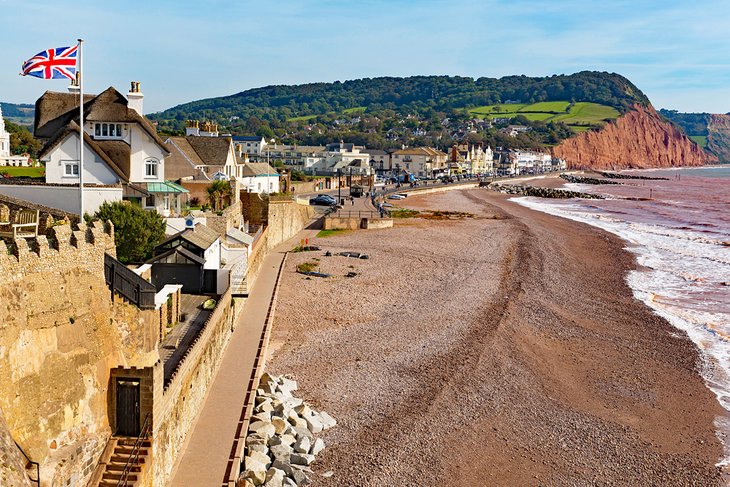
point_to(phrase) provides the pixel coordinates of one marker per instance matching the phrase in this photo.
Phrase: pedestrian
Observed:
(352, 200)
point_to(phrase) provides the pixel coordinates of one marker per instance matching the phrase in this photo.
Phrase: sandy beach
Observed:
(503, 348)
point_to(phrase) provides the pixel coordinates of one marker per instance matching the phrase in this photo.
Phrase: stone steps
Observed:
(122, 452)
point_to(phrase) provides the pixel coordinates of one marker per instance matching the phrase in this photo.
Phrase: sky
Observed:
(677, 52)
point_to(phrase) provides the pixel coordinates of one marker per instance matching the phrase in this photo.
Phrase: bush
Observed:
(136, 231)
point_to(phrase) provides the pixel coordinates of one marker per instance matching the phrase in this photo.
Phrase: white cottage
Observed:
(121, 148)
(259, 177)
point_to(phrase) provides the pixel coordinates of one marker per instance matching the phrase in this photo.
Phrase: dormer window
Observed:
(108, 131)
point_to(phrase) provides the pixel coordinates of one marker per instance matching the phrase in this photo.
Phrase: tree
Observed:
(21, 140)
(219, 191)
(136, 231)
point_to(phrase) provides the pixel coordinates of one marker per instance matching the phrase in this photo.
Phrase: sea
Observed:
(679, 230)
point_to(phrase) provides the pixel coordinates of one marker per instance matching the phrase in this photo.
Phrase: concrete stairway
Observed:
(123, 449)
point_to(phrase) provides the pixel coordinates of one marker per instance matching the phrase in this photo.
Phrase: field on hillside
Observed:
(578, 116)
(700, 140)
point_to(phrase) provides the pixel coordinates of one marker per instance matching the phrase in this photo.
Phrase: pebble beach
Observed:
(498, 348)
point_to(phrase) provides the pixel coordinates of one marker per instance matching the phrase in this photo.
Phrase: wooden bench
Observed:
(25, 225)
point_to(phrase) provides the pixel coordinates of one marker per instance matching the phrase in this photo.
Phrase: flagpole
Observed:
(81, 135)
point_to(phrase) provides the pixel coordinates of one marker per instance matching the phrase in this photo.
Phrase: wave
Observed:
(682, 279)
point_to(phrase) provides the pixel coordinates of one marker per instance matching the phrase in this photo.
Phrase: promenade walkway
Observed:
(205, 460)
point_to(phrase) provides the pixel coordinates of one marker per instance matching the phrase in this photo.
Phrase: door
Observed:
(128, 407)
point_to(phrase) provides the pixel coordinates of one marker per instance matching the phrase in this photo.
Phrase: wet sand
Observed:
(503, 349)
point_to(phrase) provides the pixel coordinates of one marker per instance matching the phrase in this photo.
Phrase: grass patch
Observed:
(303, 118)
(404, 213)
(700, 140)
(31, 172)
(587, 113)
(447, 215)
(307, 266)
(355, 110)
(329, 233)
(548, 106)
(581, 113)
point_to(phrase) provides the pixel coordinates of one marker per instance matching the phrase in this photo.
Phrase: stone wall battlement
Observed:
(62, 249)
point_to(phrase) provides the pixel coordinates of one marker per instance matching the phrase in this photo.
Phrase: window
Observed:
(149, 201)
(70, 169)
(150, 168)
(111, 130)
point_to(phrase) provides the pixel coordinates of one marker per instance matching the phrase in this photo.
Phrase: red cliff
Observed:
(639, 139)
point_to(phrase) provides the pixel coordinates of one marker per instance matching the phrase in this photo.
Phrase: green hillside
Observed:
(22, 114)
(418, 110)
(416, 94)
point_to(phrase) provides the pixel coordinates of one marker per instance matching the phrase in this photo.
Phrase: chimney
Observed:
(135, 98)
(74, 86)
(192, 127)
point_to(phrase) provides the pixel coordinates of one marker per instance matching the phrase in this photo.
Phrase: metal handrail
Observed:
(134, 456)
(36, 480)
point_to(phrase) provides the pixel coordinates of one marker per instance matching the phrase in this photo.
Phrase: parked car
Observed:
(396, 197)
(323, 200)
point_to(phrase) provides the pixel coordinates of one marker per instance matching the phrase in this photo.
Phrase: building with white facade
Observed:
(471, 159)
(419, 161)
(6, 158)
(121, 149)
(251, 145)
(259, 177)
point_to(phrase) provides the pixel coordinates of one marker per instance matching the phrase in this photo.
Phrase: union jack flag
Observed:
(54, 63)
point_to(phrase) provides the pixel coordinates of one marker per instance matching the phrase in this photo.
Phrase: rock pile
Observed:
(615, 175)
(280, 444)
(584, 180)
(541, 192)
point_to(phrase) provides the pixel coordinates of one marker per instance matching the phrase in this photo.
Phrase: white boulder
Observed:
(303, 445)
(317, 447)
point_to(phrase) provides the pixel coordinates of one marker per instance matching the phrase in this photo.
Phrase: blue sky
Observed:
(677, 52)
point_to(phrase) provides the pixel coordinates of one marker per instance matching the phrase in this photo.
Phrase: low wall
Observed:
(177, 406)
(258, 254)
(339, 223)
(355, 223)
(376, 223)
(65, 198)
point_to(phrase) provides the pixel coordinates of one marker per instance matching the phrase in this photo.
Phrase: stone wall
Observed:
(12, 463)
(229, 218)
(178, 405)
(254, 208)
(60, 335)
(286, 219)
(341, 223)
(256, 259)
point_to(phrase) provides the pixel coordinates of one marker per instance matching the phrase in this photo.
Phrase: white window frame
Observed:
(70, 164)
(151, 164)
(117, 128)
